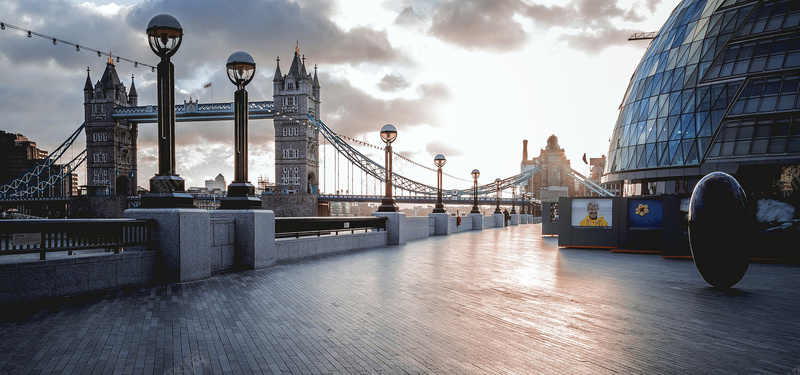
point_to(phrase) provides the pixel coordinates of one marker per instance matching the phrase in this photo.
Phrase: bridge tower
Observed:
(296, 96)
(110, 143)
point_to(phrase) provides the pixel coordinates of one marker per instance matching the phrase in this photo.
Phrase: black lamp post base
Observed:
(439, 209)
(176, 199)
(167, 191)
(388, 205)
(497, 210)
(513, 211)
(241, 195)
(241, 189)
(475, 210)
(240, 203)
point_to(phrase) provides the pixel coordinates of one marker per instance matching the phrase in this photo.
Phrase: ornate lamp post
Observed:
(388, 134)
(475, 174)
(439, 160)
(167, 190)
(522, 204)
(241, 193)
(497, 185)
(530, 208)
(513, 200)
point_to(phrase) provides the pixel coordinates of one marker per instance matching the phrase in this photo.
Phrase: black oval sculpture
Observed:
(720, 230)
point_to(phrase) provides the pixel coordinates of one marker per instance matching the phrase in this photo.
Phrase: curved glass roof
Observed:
(720, 80)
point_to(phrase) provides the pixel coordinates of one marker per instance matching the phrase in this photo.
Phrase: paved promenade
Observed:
(493, 301)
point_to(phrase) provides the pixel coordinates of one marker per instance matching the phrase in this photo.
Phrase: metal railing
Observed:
(43, 236)
(286, 227)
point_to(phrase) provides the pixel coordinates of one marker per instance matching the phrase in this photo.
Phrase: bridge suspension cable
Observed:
(77, 46)
(593, 186)
(377, 171)
(31, 181)
(52, 178)
(362, 143)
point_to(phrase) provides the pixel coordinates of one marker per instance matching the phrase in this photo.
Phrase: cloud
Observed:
(497, 25)
(408, 17)
(353, 112)
(59, 19)
(41, 84)
(393, 82)
(652, 5)
(594, 42)
(267, 29)
(479, 24)
(446, 149)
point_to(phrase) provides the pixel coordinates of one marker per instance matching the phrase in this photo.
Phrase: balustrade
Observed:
(43, 236)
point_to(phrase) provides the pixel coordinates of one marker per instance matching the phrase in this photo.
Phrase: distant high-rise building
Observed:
(18, 155)
(219, 182)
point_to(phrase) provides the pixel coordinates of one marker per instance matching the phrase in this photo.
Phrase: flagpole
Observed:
(207, 85)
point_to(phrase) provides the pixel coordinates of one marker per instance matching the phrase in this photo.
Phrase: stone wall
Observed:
(223, 255)
(298, 248)
(418, 227)
(33, 280)
(291, 205)
(97, 206)
(466, 224)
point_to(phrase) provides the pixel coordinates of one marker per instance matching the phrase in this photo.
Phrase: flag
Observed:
(207, 85)
(584, 159)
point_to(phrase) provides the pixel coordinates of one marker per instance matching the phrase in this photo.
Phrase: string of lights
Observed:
(78, 47)
(362, 143)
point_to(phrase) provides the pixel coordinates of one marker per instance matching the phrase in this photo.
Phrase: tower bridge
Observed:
(113, 114)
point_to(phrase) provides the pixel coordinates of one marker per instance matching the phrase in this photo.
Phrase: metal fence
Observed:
(304, 226)
(43, 236)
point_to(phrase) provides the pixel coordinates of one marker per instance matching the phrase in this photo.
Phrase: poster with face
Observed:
(592, 212)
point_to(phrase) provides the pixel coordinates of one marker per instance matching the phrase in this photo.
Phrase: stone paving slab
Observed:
(496, 301)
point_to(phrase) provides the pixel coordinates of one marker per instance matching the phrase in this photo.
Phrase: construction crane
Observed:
(643, 36)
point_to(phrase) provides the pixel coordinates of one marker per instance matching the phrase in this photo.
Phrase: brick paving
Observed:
(494, 301)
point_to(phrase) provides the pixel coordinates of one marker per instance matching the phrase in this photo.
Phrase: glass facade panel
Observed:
(719, 82)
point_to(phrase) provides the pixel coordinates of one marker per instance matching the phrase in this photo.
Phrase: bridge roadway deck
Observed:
(492, 301)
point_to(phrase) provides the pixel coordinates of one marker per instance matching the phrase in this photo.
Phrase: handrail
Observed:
(49, 235)
(308, 226)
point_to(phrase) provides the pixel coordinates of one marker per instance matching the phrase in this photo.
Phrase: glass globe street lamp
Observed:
(522, 204)
(388, 134)
(530, 207)
(167, 190)
(439, 160)
(475, 174)
(241, 193)
(497, 185)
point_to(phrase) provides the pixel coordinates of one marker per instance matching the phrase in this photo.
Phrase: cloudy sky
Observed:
(466, 78)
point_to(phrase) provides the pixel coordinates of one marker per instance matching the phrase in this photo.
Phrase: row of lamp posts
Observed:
(167, 189)
(388, 203)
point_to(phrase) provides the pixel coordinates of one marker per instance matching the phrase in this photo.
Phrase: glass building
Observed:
(716, 90)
